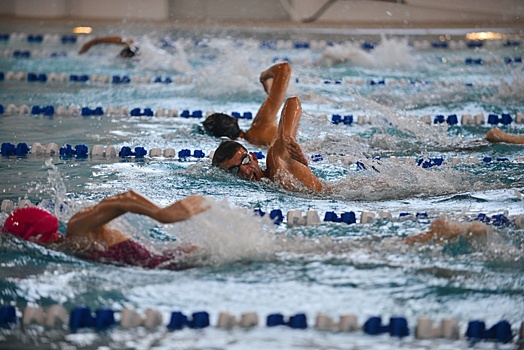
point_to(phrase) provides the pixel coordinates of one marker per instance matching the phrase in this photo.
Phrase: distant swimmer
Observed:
(88, 229)
(275, 81)
(130, 50)
(496, 135)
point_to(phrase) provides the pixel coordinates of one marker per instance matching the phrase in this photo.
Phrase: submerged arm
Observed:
(443, 230)
(105, 40)
(497, 135)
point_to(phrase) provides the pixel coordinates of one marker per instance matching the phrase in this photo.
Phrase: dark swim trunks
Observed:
(130, 252)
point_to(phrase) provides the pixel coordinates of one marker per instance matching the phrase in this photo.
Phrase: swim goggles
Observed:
(246, 159)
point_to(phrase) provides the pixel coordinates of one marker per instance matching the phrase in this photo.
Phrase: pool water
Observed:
(246, 263)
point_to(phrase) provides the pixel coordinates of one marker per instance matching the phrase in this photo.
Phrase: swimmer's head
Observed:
(234, 158)
(129, 52)
(220, 124)
(34, 224)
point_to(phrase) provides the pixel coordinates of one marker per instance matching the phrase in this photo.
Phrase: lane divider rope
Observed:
(81, 317)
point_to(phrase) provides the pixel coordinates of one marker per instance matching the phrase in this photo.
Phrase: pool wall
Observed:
(383, 13)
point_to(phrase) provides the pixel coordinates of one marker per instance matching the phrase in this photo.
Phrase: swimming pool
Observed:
(390, 87)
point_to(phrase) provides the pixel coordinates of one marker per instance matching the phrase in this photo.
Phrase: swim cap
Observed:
(32, 222)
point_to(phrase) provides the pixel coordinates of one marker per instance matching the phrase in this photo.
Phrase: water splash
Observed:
(60, 203)
(230, 74)
(390, 53)
(154, 58)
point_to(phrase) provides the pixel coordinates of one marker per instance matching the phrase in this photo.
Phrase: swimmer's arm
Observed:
(182, 210)
(278, 76)
(93, 218)
(497, 135)
(275, 81)
(443, 230)
(105, 40)
(419, 238)
(288, 127)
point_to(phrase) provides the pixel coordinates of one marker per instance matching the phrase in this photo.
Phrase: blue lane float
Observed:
(316, 158)
(34, 77)
(346, 217)
(9, 149)
(137, 112)
(116, 79)
(185, 154)
(511, 60)
(22, 54)
(188, 114)
(88, 112)
(166, 80)
(47, 111)
(268, 44)
(259, 155)
(495, 220)
(474, 44)
(82, 317)
(56, 54)
(78, 78)
(331, 81)
(431, 162)
(397, 327)
(79, 151)
(275, 215)
(126, 152)
(298, 321)
(473, 61)
(68, 39)
(180, 321)
(368, 45)
(338, 119)
(245, 115)
(500, 332)
(35, 38)
(373, 82)
(7, 316)
(439, 44)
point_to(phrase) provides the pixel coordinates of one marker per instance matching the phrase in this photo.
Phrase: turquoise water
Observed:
(246, 263)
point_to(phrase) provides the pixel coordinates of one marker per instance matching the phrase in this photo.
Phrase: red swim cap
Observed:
(32, 222)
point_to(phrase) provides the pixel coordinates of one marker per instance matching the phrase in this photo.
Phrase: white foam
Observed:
(389, 53)
(154, 58)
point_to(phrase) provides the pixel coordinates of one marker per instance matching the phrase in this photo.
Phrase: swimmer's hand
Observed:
(266, 78)
(85, 47)
(182, 210)
(294, 150)
(267, 84)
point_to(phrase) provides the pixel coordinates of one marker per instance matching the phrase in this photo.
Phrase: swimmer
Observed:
(286, 163)
(443, 230)
(89, 228)
(275, 81)
(496, 135)
(129, 50)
